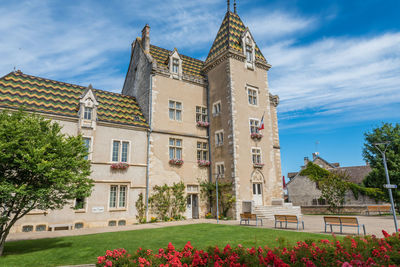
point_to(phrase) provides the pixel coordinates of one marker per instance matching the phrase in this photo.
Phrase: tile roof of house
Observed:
(229, 37)
(52, 97)
(356, 173)
(190, 65)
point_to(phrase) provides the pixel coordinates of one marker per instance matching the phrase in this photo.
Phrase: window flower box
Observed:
(203, 124)
(258, 165)
(120, 166)
(257, 136)
(176, 162)
(204, 163)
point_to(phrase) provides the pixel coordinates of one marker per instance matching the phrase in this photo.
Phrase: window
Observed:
(79, 203)
(252, 93)
(121, 223)
(120, 151)
(175, 148)
(256, 155)
(202, 151)
(220, 170)
(27, 228)
(118, 195)
(249, 53)
(219, 138)
(112, 223)
(257, 189)
(78, 225)
(87, 115)
(175, 65)
(217, 108)
(175, 110)
(87, 141)
(254, 125)
(201, 114)
(41, 228)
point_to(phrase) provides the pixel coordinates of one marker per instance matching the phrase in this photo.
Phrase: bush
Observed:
(357, 251)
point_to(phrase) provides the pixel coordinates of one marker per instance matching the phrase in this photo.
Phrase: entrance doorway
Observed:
(257, 194)
(192, 206)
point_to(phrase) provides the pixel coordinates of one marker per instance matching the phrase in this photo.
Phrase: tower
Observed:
(239, 97)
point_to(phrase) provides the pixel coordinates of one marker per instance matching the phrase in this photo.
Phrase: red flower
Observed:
(385, 234)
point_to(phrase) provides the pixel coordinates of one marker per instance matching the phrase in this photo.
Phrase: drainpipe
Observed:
(209, 137)
(148, 145)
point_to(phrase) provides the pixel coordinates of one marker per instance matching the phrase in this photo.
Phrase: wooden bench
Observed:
(53, 227)
(380, 209)
(247, 217)
(343, 222)
(281, 218)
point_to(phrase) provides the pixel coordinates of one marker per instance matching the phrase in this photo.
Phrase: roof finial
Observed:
(229, 5)
(234, 7)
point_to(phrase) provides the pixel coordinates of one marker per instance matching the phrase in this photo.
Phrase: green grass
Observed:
(85, 249)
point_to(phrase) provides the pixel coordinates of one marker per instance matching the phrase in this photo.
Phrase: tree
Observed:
(386, 132)
(40, 168)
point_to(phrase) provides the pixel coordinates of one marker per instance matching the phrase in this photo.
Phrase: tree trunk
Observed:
(3, 241)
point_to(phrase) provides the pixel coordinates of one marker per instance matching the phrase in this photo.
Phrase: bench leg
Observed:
(331, 228)
(286, 224)
(275, 224)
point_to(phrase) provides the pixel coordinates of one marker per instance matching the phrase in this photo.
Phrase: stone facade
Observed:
(190, 111)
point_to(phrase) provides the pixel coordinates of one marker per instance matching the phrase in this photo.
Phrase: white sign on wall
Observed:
(98, 209)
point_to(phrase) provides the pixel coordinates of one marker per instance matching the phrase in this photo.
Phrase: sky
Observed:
(335, 63)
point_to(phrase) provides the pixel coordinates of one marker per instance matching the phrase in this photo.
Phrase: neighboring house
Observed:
(172, 109)
(304, 192)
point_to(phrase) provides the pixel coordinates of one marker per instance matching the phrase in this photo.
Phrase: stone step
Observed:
(268, 212)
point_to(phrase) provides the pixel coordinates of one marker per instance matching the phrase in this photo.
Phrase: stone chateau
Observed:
(177, 119)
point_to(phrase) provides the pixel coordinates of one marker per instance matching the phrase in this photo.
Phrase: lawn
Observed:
(85, 249)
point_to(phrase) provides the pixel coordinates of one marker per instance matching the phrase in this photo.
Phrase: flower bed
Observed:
(176, 161)
(357, 251)
(203, 124)
(120, 166)
(256, 136)
(204, 163)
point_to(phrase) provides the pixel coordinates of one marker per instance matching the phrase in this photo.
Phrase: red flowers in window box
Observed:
(204, 163)
(256, 136)
(203, 124)
(120, 166)
(258, 165)
(176, 161)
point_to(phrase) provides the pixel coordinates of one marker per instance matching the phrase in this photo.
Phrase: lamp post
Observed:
(389, 187)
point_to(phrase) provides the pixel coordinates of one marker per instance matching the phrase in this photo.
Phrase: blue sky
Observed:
(336, 64)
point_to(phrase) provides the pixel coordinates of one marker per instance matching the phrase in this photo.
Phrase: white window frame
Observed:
(203, 151)
(175, 148)
(249, 52)
(203, 114)
(120, 150)
(175, 65)
(259, 154)
(217, 106)
(255, 126)
(90, 150)
(90, 113)
(253, 89)
(175, 109)
(218, 169)
(218, 135)
(117, 198)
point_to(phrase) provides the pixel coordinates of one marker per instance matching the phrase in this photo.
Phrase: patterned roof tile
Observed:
(190, 65)
(58, 98)
(229, 37)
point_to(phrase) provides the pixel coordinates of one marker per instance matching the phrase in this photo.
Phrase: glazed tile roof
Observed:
(229, 37)
(190, 65)
(43, 95)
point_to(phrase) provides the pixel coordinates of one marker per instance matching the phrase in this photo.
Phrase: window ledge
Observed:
(116, 210)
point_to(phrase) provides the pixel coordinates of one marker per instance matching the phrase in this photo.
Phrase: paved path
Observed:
(313, 224)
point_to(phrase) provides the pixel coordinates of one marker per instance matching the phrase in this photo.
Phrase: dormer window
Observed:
(175, 65)
(249, 53)
(88, 113)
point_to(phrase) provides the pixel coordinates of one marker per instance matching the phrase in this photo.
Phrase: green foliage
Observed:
(168, 201)
(386, 132)
(225, 197)
(141, 209)
(333, 186)
(40, 168)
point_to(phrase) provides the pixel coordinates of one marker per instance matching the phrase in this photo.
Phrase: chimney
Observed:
(306, 160)
(315, 155)
(146, 38)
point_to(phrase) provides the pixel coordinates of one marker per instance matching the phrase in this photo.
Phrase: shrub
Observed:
(352, 251)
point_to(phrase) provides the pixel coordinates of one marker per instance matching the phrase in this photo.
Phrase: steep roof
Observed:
(356, 173)
(52, 97)
(190, 65)
(229, 37)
